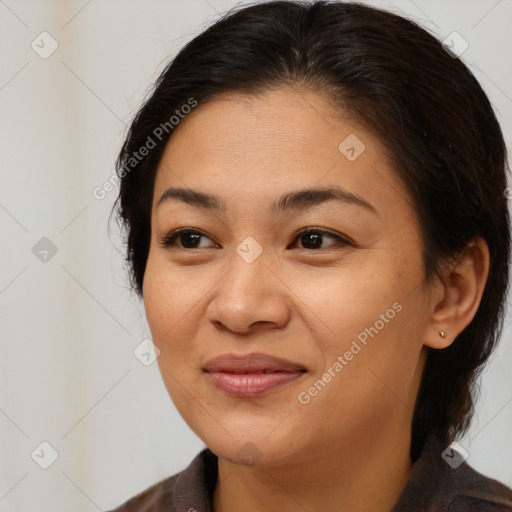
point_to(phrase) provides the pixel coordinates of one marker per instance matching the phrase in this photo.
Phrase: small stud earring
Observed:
(442, 334)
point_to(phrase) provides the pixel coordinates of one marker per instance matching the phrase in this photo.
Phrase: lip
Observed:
(252, 374)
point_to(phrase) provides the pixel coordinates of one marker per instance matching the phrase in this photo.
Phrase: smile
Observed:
(251, 375)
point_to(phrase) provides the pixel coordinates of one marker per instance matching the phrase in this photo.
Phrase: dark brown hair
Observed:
(400, 82)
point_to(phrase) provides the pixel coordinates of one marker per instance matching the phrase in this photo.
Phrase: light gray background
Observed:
(68, 375)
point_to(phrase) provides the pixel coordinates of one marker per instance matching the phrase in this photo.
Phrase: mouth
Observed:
(251, 375)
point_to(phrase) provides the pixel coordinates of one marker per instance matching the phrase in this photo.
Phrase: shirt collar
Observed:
(432, 485)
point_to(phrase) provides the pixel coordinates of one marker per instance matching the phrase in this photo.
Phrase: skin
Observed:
(348, 447)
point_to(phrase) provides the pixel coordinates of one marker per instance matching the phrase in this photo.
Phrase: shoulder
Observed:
(194, 484)
(156, 498)
(436, 485)
(477, 492)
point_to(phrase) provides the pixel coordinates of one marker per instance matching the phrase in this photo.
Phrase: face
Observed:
(330, 282)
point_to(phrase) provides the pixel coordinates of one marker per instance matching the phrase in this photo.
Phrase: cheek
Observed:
(169, 308)
(157, 300)
(352, 299)
(374, 316)
(168, 301)
(174, 302)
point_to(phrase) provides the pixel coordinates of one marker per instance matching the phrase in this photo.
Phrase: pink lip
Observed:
(251, 375)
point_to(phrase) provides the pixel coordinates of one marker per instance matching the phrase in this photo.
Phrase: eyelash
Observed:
(168, 241)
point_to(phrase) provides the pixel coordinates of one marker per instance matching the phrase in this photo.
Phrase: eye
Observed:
(189, 239)
(312, 238)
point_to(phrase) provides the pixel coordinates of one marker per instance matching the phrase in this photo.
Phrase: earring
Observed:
(442, 334)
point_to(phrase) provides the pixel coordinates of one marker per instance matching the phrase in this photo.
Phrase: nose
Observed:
(249, 298)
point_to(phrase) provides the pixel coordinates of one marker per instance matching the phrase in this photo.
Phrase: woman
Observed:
(316, 217)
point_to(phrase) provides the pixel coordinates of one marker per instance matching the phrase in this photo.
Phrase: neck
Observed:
(364, 474)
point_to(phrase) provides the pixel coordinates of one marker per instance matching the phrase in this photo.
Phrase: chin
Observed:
(245, 452)
(249, 450)
(242, 435)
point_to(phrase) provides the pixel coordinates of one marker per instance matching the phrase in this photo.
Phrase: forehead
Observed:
(266, 123)
(266, 144)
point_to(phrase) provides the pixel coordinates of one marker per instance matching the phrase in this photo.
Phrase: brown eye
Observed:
(313, 238)
(188, 238)
(310, 239)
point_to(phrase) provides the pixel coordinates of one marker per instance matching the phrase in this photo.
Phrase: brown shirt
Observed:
(434, 486)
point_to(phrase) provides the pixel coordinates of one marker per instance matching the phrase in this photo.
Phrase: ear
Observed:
(462, 288)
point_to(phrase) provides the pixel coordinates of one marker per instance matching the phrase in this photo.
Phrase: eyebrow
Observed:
(297, 200)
